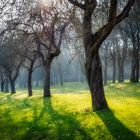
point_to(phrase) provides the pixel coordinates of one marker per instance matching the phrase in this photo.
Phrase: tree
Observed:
(113, 54)
(27, 51)
(46, 25)
(92, 43)
(132, 30)
(2, 81)
(49, 41)
(121, 49)
(105, 53)
(10, 61)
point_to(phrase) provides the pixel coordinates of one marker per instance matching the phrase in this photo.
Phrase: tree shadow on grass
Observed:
(8, 128)
(116, 128)
(58, 126)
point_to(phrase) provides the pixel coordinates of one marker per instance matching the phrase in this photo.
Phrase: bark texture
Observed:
(95, 82)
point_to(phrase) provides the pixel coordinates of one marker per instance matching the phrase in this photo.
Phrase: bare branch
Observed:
(76, 3)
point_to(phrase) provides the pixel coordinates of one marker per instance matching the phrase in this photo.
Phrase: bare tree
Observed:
(27, 51)
(47, 26)
(132, 30)
(10, 61)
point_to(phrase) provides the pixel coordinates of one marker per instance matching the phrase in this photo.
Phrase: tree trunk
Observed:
(30, 83)
(119, 73)
(105, 70)
(47, 67)
(2, 83)
(114, 71)
(138, 59)
(2, 86)
(6, 88)
(12, 85)
(30, 71)
(132, 77)
(122, 71)
(95, 81)
(137, 70)
(135, 65)
(61, 78)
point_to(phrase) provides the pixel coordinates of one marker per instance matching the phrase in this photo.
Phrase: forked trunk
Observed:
(95, 81)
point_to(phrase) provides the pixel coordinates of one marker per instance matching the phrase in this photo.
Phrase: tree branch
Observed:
(125, 12)
(76, 3)
(112, 10)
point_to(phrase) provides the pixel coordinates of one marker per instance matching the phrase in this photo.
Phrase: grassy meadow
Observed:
(67, 114)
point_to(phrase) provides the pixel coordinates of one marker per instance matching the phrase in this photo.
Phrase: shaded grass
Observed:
(67, 116)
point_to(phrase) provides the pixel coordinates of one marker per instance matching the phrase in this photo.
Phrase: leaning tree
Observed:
(92, 41)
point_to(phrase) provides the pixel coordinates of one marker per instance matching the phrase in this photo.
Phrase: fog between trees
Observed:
(69, 41)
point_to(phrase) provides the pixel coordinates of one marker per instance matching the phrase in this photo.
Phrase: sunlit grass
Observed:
(68, 116)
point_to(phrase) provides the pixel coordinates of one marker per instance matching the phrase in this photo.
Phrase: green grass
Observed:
(67, 116)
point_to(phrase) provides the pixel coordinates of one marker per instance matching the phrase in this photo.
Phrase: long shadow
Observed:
(68, 128)
(58, 126)
(116, 128)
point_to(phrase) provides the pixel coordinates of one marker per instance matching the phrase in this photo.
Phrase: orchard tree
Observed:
(46, 24)
(92, 43)
(49, 40)
(27, 51)
(121, 49)
(113, 55)
(10, 59)
(132, 30)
